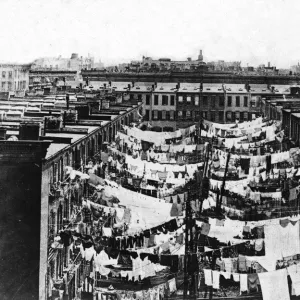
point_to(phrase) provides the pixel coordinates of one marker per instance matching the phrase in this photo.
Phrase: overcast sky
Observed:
(115, 31)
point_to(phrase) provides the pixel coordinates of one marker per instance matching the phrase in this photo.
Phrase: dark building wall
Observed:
(20, 221)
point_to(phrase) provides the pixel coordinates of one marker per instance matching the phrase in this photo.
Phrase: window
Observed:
(179, 114)
(147, 114)
(228, 116)
(241, 117)
(188, 114)
(221, 101)
(221, 116)
(3, 74)
(168, 115)
(147, 99)
(163, 115)
(180, 99)
(165, 100)
(154, 114)
(229, 101)
(9, 86)
(204, 114)
(155, 99)
(204, 100)
(237, 101)
(10, 74)
(172, 100)
(245, 101)
(139, 96)
(245, 116)
(3, 85)
(159, 115)
(197, 100)
(253, 104)
(212, 116)
(213, 101)
(188, 99)
(237, 115)
(171, 114)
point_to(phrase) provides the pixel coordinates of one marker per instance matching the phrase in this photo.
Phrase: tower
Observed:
(200, 56)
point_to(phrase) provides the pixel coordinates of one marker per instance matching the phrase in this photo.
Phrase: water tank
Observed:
(74, 56)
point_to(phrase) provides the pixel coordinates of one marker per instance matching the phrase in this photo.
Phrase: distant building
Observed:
(221, 65)
(166, 64)
(296, 69)
(14, 77)
(75, 63)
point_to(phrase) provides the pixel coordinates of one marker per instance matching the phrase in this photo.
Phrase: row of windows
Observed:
(237, 101)
(17, 85)
(187, 114)
(9, 74)
(160, 115)
(194, 99)
(171, 115)
(164, 100)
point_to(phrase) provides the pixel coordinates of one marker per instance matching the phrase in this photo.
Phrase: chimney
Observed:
(189, 59)
(68, 100)
(269, 64)
(3, 133)
(64, 118)
(178, 84)
(104, 85)
(155, 83)
(109, 83)
(29, 131)
(132, 83)
(153, 87)
(129, 86)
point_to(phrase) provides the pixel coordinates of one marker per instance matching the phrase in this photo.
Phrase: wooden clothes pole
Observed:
(219, 201)
(186, 277)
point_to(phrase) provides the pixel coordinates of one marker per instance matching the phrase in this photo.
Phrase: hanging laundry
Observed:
(208, 277)
(216, 279)
(274, 284)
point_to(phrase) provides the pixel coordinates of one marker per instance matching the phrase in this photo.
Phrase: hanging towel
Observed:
(208, 277)
(216, 279)
(294, 272)
(274, 285)
(243, 283)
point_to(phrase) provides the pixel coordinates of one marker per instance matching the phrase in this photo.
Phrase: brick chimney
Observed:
(29, 131)
(3, 133)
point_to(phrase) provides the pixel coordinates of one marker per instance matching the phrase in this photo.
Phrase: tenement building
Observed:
(40, 143)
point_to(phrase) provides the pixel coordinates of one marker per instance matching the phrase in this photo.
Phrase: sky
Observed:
(118, 31)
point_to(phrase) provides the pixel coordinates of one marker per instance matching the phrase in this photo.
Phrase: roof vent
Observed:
(184, 89)
(229, 89)
(240, 90)
(161, 88)
(138, 88)
(264, 90)
(208, 89)
(219, 89)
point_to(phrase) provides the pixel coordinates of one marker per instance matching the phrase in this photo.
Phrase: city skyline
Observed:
(254, 32)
